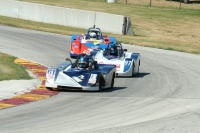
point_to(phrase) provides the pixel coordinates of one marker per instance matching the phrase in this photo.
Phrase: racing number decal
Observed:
(51, 73)
(127, 64)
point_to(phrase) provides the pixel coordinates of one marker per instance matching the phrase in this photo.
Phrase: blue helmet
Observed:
(113, 50)
(83, 62)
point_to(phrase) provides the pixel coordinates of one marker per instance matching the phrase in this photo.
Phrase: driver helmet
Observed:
(113, 51)
(83, 62)
(93, 35)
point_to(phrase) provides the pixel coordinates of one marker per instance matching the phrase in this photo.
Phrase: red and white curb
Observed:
(41, 92)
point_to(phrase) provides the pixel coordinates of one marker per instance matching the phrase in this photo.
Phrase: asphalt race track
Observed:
(163, 98)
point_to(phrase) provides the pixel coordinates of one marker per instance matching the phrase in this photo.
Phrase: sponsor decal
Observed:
(81, 76)
(117, 65)
(93, 79)
(96, 42)
(77, 79)
(75, 46)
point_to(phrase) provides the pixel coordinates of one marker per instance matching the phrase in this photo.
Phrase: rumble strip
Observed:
(38, 93)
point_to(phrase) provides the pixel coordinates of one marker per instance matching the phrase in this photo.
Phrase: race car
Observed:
(127, 64)
(92, 39)
(83, 74)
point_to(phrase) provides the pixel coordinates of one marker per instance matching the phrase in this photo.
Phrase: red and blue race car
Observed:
(85, 43)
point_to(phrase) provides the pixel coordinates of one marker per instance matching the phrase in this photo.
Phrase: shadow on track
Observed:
(105, 90)
(140, 75)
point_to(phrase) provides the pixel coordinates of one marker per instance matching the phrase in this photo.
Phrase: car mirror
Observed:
(67, 59)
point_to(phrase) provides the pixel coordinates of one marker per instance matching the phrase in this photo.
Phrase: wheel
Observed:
(133, 72)
(49, 88)
(73, 57)
(100, 82)
(52, 89)
(138, 69)
(113, 81)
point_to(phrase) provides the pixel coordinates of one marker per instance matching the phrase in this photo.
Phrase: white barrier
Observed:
(9, 8)
(31, 11)
(54, 15)
(80, 18)
(63, 16)
(109, 22)
(111, 1)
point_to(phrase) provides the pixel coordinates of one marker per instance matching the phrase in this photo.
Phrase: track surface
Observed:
(163, 98)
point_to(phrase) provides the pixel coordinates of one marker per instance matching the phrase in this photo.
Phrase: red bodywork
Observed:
(79, 48)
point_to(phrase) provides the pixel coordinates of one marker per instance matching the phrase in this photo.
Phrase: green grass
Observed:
(11, 71)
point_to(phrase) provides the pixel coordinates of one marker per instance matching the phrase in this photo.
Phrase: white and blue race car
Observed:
(83, 74)
(127, 64)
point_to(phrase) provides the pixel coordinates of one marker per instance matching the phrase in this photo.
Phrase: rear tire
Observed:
(138, 69)
(133, 72)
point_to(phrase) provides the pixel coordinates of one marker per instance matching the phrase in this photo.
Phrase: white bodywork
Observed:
(95, 41)
(125, 65)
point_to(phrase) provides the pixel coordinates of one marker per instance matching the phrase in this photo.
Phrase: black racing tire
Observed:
(113, 81)
(138, 69)
(100, 82)
(133, 71)
(73, 57)
(49, 88)
(52, 89)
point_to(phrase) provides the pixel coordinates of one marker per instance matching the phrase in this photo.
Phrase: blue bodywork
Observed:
(85, 74)
(82, 75)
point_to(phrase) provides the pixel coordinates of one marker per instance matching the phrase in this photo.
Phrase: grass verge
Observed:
(11, 71)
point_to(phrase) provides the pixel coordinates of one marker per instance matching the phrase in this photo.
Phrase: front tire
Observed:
(52, 89)
(100, 82)
(133, 71)
(113, 81)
